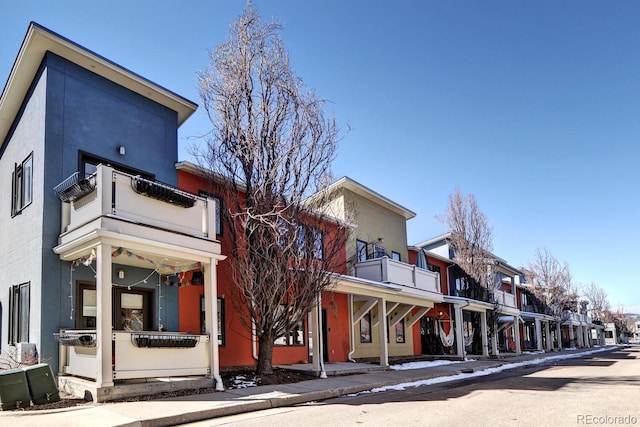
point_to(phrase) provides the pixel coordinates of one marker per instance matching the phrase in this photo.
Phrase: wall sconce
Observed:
(120, 273)
(121, 150)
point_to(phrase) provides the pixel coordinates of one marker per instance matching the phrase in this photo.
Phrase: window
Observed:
(361, 250)
(132, 309)
(379, 251)
(294, 337)
(434, 268)
(395, 256)
(203, 327)
(22, 185)
(89, 165)
(421, 260)
(399, 330)
(365, 328)
(87, 306)
(19, 313)
(310, 236)
(218, 202)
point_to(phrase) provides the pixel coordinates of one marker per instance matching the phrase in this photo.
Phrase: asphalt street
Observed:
(602, 389)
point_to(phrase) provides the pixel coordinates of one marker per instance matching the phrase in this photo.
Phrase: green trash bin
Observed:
(14, 391)
(42, 384)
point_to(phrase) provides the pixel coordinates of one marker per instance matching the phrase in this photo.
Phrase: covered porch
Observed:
(386, 299)
(122, 226)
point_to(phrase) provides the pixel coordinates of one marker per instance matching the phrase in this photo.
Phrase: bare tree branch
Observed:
(274, 145)
(552, 282)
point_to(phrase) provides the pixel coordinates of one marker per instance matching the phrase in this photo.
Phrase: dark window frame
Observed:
(219, 206)
(22, 185)
(17, 315)
(80, 320)
(361, 250)
(85, 158)
(311, 235)
(396, 256)
(365, 324)
(290, 337)
(433, 268)
(221, 325)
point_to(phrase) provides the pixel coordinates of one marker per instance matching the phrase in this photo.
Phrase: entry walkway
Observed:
(204, 406)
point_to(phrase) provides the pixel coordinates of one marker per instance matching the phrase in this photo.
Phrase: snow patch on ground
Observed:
(241, 381)
(484, 372)
(425, 364)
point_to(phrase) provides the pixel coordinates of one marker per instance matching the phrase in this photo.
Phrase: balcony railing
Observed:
(389, 271)
(115, 194)
(575, 317)
(505, 298)
(137, 355)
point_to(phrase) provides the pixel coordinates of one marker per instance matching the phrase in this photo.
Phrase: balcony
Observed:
(505, 299)
(114, 201)
(575, 319)
(387, 270)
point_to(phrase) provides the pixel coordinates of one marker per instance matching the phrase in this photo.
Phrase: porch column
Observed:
(538, 334)
(211, 320)
(315, 332)
(587, 334)
(483, 333)
(457, 312)
(559, 335)
(516, 329)
(382, 332)
(494, 341)
(581, 336)
(547, 332)
(571, 337)
(104, 321)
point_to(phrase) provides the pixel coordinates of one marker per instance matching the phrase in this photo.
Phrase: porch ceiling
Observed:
(166, 251)
(365, 290)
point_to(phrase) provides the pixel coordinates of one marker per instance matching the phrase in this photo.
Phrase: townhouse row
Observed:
(114, 256)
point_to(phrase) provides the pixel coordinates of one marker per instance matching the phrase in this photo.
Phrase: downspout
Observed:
(352, 341)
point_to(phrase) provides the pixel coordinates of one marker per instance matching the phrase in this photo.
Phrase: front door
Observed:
(132, 309)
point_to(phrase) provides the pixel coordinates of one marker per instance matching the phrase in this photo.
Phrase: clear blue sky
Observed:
(533, 107)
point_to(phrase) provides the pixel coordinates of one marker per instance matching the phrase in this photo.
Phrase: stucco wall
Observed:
(70, 110)
(376, 222)
(21, 236)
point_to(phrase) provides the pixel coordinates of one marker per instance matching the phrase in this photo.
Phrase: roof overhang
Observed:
(367, 193)
(40, 40)
(469, 304)
(389, 291)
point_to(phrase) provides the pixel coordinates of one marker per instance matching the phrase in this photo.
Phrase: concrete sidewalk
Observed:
(204, 406)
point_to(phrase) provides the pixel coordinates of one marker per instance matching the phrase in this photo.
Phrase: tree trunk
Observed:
(265, 355)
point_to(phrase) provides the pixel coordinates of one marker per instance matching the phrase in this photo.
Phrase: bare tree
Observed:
(598, 300)
(471, 238)
(552, 282)
(273, 145)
